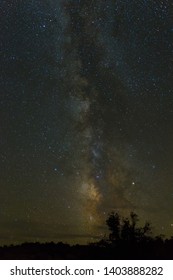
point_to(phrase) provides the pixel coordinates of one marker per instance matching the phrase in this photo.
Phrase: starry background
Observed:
(86, 117)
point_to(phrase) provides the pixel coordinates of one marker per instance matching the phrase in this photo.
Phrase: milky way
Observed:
(86, 110)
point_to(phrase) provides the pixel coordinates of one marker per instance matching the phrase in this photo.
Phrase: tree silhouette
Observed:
(113, 223)
(126, 229)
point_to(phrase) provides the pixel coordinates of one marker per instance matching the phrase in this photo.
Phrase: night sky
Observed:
(86, 117)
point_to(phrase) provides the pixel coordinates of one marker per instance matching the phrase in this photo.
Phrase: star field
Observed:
(86, 110)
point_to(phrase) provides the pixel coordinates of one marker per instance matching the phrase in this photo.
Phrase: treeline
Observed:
(126, 240)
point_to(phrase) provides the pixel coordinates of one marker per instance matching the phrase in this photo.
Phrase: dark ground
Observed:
(155, 249)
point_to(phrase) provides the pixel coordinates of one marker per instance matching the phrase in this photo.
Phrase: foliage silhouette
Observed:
(126, 229)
